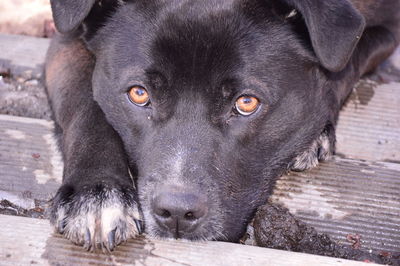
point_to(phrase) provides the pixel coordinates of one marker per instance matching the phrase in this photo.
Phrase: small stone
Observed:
(27, 74)
(20, 80)
(32, 82)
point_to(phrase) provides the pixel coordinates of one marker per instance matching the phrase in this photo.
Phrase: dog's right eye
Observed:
(139, 95)
(246, 105)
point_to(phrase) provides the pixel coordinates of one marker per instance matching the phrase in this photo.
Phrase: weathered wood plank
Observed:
(33, 238)
(30, 163)
(369, 124)
(346, 196)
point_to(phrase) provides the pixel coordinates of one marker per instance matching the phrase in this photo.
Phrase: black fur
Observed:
(196, 58)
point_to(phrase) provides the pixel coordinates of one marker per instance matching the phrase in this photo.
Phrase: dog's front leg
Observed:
(96, 204)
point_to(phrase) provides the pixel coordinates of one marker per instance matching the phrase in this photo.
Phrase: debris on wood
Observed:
(9, 208)
(355, 240)
(275, 227)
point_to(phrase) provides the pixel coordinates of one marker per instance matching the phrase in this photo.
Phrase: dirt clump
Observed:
(275, 227)
(9, 208)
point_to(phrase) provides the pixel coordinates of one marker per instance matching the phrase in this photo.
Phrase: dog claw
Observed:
(139, 225)
(111, 240)
(88, 241)
(61, 226)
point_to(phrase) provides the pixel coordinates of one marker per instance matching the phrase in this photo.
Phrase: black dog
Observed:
(181, 114)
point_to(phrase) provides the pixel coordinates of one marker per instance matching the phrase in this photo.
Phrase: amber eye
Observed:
(139, 95)
(246, 105)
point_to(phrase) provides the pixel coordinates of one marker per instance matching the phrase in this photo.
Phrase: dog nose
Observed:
(179, 212)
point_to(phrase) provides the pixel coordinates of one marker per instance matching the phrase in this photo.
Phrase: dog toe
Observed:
(93, 220)
(320, 150)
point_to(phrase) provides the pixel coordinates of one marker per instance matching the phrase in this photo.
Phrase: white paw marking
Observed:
(99, 217)
(310, 158)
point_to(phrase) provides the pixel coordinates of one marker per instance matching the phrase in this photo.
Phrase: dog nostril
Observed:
(179, 212)
(165, 214)
(190, 216)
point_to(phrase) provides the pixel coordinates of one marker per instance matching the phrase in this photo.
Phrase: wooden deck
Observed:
(357, 192)
(37, 245)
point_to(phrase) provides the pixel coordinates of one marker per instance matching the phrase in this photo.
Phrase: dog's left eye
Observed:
(139, 95)
(246, 104)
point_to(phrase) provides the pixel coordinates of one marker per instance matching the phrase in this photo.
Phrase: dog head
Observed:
(213, 99)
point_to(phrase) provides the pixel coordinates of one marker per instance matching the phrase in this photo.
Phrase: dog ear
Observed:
(69, 14)
(335, 28)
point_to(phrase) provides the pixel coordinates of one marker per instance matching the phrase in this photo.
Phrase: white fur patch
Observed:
(291, 14)
(310, 158)
(110, 216)
(178, 162)
(132, 177)
(175, 167)
(99, 217)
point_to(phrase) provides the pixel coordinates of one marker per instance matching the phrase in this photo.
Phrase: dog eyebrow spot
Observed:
(291, 14)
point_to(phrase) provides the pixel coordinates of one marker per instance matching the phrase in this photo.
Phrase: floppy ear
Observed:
(335, 28)
(69, 14)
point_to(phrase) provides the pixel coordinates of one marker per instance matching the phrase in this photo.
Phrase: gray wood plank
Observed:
(369, 124)
(30, 163)
(33, 238)
(347, 196)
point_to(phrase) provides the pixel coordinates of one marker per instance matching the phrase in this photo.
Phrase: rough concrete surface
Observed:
(21, 74)
(23, 53)
(23, 95)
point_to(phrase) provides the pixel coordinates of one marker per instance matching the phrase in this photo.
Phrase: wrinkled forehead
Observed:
(186, 39)
(198, 42)
(194, 39)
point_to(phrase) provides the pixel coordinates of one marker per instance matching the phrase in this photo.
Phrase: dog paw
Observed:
(320, 150)
(96, 216)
